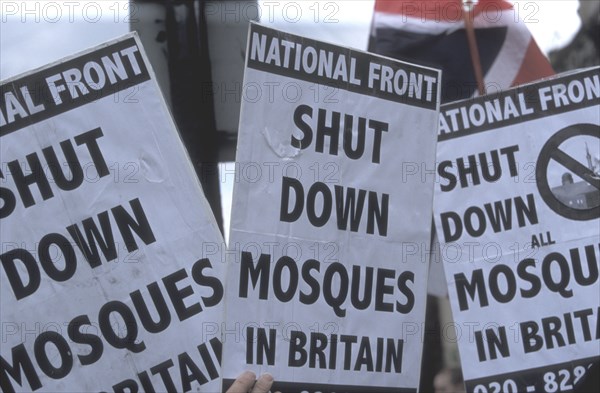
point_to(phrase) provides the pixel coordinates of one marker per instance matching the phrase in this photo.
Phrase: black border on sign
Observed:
(300, 387)
(541, 172)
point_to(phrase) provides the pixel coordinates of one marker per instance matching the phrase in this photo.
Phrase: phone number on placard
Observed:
(553, 381)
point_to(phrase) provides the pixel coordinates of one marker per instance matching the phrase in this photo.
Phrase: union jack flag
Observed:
(432, 32)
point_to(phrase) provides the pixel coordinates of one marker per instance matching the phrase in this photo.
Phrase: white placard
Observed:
(517, 214)
(105, 280)
(325, 290)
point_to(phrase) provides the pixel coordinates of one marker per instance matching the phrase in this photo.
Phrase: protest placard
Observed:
(517, 214)
(322, 292)
(105, 282)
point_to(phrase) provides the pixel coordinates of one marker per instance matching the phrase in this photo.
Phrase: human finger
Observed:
(243, 383)
(264, 383)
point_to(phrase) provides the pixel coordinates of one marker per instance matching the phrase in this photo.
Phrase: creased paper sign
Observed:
(325, 290)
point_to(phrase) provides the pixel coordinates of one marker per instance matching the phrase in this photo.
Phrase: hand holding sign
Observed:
(248, 381)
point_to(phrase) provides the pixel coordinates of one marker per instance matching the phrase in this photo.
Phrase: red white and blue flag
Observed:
(432, 32)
